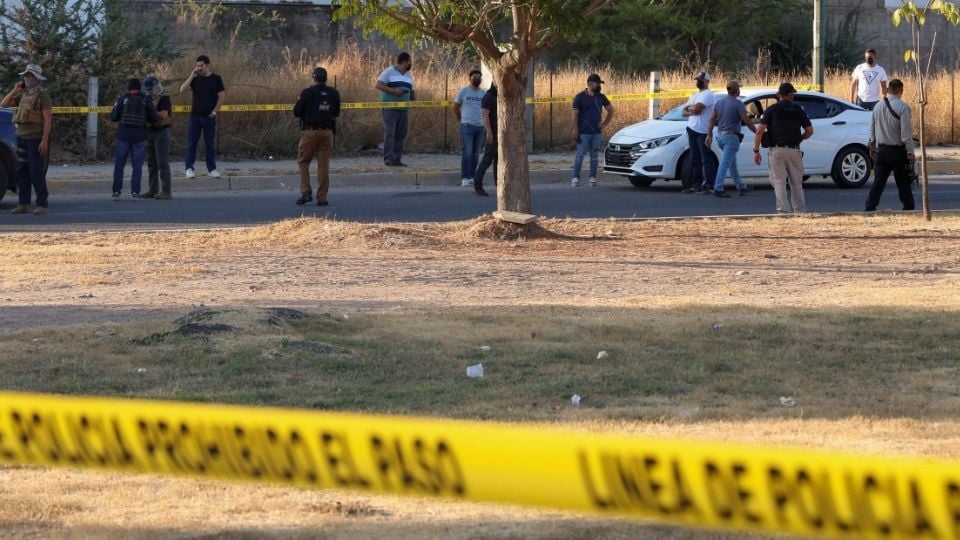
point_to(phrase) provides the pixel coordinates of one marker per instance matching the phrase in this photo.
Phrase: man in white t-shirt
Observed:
(699, 110)
(869, 82)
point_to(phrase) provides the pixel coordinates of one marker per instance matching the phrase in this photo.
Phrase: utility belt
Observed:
(310, 128)
(891, 147)
(793, 146)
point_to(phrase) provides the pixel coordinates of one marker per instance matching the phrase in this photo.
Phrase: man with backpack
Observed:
(317, 108)
(133, 111)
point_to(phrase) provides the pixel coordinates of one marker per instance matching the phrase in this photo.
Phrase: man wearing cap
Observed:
(33, 119)
(891, 147)
(699, 110)
(728, 114)
(588, 124)
(133, 111)
(869, 82)
(788, 125)
(158, 141)
(466, 107)
(317, 108)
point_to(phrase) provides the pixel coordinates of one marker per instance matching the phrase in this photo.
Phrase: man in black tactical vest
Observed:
(133, 111)
(317, 108)
(788, 125)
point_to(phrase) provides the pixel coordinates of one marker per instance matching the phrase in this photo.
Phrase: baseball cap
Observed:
(786, 89)
(34, 70)
(150, 82)
(702, 76)
(594, 78)
(733, 85)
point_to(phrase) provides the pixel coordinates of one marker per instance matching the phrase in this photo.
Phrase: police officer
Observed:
(788, 125)
(317, 108)
(33, 118)
(891, 147)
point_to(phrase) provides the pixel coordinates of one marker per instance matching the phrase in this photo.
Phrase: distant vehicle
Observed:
(659, 149)
(8, 152)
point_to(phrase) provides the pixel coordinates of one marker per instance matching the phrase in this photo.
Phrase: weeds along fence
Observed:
(438, 75)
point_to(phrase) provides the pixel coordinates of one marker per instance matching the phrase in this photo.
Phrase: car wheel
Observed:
(640, 181)
(851, 167)
(686, 169)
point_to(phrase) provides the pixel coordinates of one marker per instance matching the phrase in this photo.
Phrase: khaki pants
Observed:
(315, 142)
(786, 165)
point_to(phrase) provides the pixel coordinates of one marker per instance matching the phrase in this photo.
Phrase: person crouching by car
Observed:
(158, 141)
(132, 111)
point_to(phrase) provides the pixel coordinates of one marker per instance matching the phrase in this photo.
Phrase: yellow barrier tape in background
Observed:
(682, 482)
(407, 104)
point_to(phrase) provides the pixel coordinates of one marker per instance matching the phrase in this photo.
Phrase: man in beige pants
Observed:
(317, 108)
(788, 125)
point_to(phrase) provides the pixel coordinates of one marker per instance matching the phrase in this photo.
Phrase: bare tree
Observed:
(536, 26)
(917, 16)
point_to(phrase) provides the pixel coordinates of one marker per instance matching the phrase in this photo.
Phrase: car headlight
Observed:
(656, 143)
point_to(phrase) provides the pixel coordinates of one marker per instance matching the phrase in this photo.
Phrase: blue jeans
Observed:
(730, 144)
(208, 125)
(472, 137)
(31, 171)
(137, 152)
(588, 142)
(701, 164)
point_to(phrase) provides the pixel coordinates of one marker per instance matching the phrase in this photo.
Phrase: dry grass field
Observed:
(439, 73)
(708, 323)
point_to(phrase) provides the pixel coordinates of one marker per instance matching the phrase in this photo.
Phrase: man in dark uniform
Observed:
(891, 147)
(788, 125)
(317, 108)
(488, 107)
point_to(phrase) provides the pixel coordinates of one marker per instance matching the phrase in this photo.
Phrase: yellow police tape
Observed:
(402, 104)
(682, 482)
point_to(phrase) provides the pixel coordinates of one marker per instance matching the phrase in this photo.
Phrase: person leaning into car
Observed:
(788, 125)
(33, 118)
(891, 147)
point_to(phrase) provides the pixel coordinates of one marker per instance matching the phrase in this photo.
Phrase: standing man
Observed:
(728, 114)
(208, 93)
(396, 85)
(134, 112)
(588, 108)
(869, 82)
(699, 110)
(891, 147)
(33, 118)
(158, 141)
(466, 107)
(317, 108)
(788, 125)
(489, 109)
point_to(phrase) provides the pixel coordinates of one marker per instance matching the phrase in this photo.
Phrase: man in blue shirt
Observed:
(728, 114)
(588, 126)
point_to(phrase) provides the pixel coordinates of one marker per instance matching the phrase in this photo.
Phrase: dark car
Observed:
(8, 152)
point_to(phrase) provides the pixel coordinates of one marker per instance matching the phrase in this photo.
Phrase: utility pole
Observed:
(818, 32)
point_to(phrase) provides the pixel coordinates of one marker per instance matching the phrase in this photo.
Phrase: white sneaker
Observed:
(593, 181)
(189, 173)
(466, 182)
(214, 174)
(574, 182)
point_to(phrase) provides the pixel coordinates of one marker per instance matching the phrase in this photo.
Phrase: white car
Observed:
(659, 149)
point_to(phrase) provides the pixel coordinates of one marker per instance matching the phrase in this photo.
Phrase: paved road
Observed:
(613, 199)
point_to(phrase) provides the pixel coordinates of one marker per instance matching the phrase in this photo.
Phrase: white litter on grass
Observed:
(141, 370)
(575, 399)
(485, 348)
(787, 401)
(346, 317)
(715, 326)
(37, 339)
(602, 354)
(475, 372)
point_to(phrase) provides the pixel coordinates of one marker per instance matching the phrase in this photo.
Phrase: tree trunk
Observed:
(924, 182)
(513, 168)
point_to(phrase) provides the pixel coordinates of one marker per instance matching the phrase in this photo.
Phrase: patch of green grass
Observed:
(661, 363)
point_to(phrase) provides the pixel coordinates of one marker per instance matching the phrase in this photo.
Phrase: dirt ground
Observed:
(89, 278)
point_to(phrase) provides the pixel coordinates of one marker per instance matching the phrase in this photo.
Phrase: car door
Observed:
(745, 165)
(829, 131)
